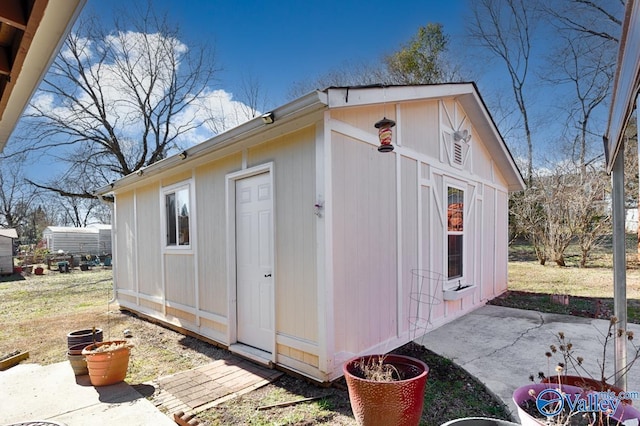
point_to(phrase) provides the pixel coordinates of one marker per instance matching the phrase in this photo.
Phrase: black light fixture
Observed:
(385, 134)
(183, 155)
(268, 118)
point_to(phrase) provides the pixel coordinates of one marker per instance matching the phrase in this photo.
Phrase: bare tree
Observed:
(587, 18)
(585, 66)
(349, 74)
(504, 29)
(114, 102)
(561, 206)
(16, 196)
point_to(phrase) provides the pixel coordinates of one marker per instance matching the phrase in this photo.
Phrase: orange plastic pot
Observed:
(108, 367)
(397, 403)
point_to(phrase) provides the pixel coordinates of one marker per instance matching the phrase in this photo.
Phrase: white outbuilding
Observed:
(93, 239)
(292, 240)
(7, 236)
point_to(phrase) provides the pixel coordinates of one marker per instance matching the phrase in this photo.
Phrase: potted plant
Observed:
(580, 398)
(582, 377)
(386, 389)
(107, 361)
(558, 404)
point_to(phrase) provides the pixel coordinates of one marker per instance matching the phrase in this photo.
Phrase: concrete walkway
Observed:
(503, 346)
(30, 392)
(500, 346)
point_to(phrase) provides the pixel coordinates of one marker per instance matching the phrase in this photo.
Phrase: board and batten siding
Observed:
(211, 196)
(149, 241)
(190, 288)
(295, 273)
(389, 215)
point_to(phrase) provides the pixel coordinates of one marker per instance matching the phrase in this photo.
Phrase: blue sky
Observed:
(293, 41)
(283, 42)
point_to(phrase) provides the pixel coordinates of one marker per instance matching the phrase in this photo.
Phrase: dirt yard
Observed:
(37, 312)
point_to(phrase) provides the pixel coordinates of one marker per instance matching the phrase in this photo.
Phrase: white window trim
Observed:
(184, 249)
(452, 283)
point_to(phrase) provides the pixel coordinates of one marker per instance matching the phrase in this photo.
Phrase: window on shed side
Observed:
(177, 215)
(455, 234)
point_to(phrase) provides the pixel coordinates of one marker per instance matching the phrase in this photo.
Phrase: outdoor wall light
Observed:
(461, 135)
(268, 118)
(385, 134)
(183, 155)
(139, 172)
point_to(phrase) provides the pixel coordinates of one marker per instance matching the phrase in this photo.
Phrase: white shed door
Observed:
(254, 261)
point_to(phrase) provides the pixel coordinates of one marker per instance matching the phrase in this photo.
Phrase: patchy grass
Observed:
(590, 289)
(37, 312)
(450, 393)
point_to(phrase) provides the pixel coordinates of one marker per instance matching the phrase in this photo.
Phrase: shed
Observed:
(293, 241)
(6, 250)
(94, 239)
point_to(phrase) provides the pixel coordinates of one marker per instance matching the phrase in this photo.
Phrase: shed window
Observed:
(177, 213)
(455, 228)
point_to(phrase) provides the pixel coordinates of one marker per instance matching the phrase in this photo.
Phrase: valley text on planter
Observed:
(551, 402)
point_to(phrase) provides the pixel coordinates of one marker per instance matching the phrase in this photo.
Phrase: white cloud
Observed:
(214, 111)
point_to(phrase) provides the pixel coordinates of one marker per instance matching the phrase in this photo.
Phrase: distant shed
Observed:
(6, 250)
(94, 239)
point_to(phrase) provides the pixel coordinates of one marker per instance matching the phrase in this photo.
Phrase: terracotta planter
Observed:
(396, 403)
(586, 384)
(623, 412)
(108, 367)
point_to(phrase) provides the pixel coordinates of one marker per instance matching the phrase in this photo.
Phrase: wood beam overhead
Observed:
(5, 68)
(13, 13)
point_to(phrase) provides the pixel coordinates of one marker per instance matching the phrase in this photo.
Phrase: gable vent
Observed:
(457, 153)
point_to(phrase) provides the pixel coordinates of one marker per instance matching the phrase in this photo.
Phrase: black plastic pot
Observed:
(83, 336)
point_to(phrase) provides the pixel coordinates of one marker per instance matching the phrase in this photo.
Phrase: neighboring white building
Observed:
(6, 250)
(293, 241)
(94, 239)
(631, 221)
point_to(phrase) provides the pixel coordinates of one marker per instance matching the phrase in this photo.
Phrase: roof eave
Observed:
(626, 83)
(281, 115)
(45, 44)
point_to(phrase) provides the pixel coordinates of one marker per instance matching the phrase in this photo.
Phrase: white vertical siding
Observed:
(364, 245)
(409, 230)
(212, 253)
(179, 273)
(502, 243)
(149, 241)
(126, 242)
(419, 127)
(489, 243)
(295, 273)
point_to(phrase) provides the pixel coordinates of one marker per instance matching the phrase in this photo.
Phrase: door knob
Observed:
(267, 275)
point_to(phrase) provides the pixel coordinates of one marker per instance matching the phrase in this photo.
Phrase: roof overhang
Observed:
(626, 83)
(283, 118)
(8, 233)
(298, 112)
(31, 34)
